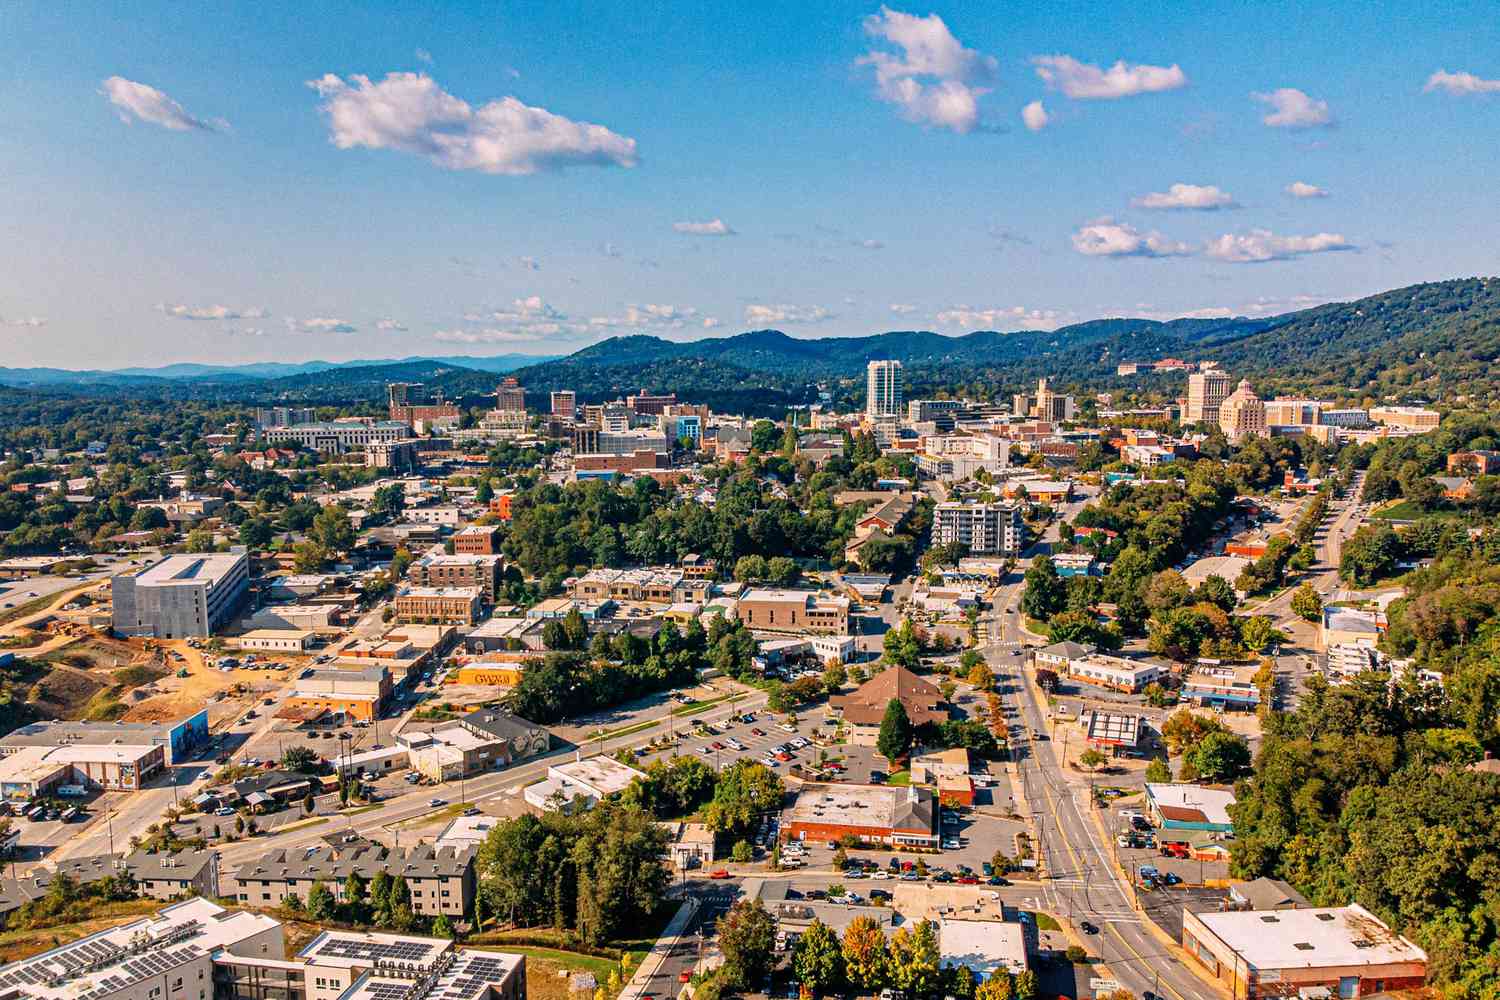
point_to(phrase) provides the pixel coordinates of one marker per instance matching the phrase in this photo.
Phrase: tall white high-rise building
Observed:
(883, 390)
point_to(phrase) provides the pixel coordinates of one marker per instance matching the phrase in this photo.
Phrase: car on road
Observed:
(1088, 928)
(437, 802)
(684, 976)
(719, 874)
(471, 811)
(910, 877)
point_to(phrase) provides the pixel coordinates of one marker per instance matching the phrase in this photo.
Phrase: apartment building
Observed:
(565, 404)
(883, 390)
(1284, 411)
(983, 528)
(183, 595)
(441, 881)
(1206, 390)
(1411, 418)
(1045, 405)
(794, 611)
(339, 436)
(438, 605)
(436, 569)
(173, 955)
(284, 416)
(477, 540)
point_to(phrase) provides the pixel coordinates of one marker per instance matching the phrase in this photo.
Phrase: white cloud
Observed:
(178, 311)
(1107, 238)
(1202, 198)
(532, 318)
(391, 325)
(320, 324)
(410, 113)
(869, 244)
(765, 315)
(713, 227)
(934, 80)
(1460, 84)
(1260, 245)
(1291, 108)
(140, 102)
(1261, 306)
(1014, 318)
(487, 335)
(1034, 116)
(423, 56)
(1086, 82)
(1301, 189)
(903, 308)
(24, 321)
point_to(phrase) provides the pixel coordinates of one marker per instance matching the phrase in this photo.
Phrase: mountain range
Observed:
(1432, 340)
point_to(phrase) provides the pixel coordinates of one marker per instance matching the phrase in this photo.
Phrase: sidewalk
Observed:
(659, 951)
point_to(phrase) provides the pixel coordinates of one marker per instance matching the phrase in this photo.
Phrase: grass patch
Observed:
(301, 824)
(19, 944)
(137, 675)
(694, 707)
(356, 810)
(632, 729)
(29, 608)
(105, 706)
(1046, 922)
(899, 778)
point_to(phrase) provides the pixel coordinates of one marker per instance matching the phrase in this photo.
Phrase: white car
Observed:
(881, 875)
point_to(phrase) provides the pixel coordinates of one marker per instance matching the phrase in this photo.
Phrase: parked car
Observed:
(720, 874)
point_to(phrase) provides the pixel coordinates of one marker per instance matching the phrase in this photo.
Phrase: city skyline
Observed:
(227, 187)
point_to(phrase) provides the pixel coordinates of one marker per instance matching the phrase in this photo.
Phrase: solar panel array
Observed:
(371, 951)
(473, 976)
(386, 990)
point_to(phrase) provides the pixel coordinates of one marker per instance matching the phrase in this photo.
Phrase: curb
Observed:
(660, 950)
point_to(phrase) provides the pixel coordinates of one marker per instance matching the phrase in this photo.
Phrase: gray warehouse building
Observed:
(183, 595)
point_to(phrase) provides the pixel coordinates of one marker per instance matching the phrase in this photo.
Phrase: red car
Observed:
(684, 976)
(968, 880)
(758, 732)
(783, 756)
(718, 746)
(721, 873)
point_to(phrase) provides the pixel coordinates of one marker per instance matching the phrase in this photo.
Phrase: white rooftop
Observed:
(985, 946)
(189, 570)
(1213, 803)
(1348, 936)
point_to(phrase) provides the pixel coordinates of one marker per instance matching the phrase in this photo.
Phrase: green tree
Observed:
(1307, 603)
(320, 902)
(200, 540)
(355, 902)
(1159, 772)
(894, 739)
(744, 791)
(747, 937)
(901, 646)
(1257, 633)
(915, 958)
(834, 676)
(818, 960)
(332, 529)
(309, 557)
(1219, 591)
(1370, 555)
(442, 927)
(742, 851)
(1025, 984)
(1221, 757)
(1046, 594)
(1092, 759)
(299, 759)
(380, 896)
(997, 987)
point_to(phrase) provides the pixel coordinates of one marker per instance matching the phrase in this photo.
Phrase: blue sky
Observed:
(291, 181)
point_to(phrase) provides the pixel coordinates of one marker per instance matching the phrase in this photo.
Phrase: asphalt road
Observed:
(1083, 883)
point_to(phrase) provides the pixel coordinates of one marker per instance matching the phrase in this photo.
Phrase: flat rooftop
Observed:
(877, 806)
(189, 570)
(1322, 937)
(605, 774)
(61, 732)
(347, 949)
